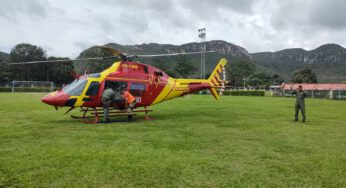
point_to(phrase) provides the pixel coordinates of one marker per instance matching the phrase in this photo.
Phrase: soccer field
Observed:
(193, 142)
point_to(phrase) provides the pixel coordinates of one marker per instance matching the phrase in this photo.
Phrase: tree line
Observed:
(239, 72)
(56, 72)
(243, 72)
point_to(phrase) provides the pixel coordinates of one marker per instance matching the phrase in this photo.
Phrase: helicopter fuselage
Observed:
(147, 84)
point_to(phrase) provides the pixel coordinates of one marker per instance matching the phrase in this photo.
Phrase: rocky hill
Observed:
(327, 61)
(224, 49)
(154, 48)
(4, 56)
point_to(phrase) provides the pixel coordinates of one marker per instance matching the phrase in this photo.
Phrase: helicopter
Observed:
(149, 86)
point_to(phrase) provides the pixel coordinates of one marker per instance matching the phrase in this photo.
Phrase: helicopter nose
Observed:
(57, 98)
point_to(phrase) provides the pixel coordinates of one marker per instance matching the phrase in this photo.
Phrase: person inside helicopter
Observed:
(118, 97)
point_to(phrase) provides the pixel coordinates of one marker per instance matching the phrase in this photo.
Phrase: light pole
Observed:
(202, 34)
(244, 83)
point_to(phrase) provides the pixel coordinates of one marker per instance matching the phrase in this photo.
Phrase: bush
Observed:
(25, 89)
(237, 93)
(227, 92)
(5, 89)
(246, 93)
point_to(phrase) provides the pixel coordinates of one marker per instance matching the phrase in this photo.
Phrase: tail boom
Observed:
(180, 87)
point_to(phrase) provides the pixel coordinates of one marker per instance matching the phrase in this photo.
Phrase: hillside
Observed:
(3, 56)
(327, 61)
(224, 49)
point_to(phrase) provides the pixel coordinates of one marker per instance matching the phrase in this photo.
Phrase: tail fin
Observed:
(217, 79)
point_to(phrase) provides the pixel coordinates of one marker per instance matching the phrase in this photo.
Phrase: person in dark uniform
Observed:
(300, 102)
(108, 96)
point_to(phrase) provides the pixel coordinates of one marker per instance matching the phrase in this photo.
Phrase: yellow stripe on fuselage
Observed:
(166, 90)
(176, 88)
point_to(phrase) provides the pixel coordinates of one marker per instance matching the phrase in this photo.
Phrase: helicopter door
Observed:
(91, 94)
(138, 90)
(117, 86)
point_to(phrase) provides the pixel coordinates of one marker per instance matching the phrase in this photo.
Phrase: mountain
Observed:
(225, 49)
(327, 61)
(154, 48)
(4, 56)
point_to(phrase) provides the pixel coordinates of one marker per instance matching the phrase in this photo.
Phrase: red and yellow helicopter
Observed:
(149, 85)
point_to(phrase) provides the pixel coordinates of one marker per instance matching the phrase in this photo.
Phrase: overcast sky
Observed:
(66, 27)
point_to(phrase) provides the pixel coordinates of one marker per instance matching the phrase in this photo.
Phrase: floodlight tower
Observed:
(202, 34)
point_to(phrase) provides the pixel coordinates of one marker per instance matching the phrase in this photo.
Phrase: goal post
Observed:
(32, 86)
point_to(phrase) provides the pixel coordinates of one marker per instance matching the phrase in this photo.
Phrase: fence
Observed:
(327, 94)
(27, 86)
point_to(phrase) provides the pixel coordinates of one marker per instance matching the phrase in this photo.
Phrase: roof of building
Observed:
(286, 86)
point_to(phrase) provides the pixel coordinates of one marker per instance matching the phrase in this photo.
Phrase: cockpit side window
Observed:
(93, 89)
(137, 89)
(76, 87)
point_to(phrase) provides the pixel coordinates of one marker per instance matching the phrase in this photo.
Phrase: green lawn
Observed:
(193, 142)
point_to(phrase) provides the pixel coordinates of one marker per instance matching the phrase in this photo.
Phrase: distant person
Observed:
(130, 103)
(108, 96)
(300, 102)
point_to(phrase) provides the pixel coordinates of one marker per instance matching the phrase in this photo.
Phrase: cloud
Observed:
(13, 10)
(65, 27)
(329, 15)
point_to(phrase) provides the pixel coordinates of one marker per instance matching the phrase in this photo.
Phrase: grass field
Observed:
(193, 142)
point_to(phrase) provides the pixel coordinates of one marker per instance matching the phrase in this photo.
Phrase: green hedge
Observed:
(25, 89)
(244, 93)
(5, 89)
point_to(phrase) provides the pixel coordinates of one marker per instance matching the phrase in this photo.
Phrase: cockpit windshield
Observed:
(76, 87)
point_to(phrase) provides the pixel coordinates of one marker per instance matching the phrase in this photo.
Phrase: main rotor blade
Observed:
(173, 54)
(62, 60)
(112, 51)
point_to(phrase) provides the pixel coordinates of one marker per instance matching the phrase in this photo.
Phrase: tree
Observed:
(238, 70)
(164, 65)
(260, 79)
(304, 75)
(94, 65)
(161, 64)
(263, 79)
(184, 67)
(277, 79)
(28, 52)
(5, 73)
(58, 72)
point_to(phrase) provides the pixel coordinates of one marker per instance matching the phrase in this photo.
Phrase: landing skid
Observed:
(92, 115)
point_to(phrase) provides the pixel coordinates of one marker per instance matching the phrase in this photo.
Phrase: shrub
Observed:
(247, 93)
(227, 92)
(5, 89)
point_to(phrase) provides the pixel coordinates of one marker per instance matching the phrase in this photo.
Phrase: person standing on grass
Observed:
(300, 102)
(107, 97)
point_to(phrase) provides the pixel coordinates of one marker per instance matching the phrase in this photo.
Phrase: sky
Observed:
(66, 27)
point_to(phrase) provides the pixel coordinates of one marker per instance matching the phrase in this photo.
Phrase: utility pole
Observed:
(202, 35)
(244, 83)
